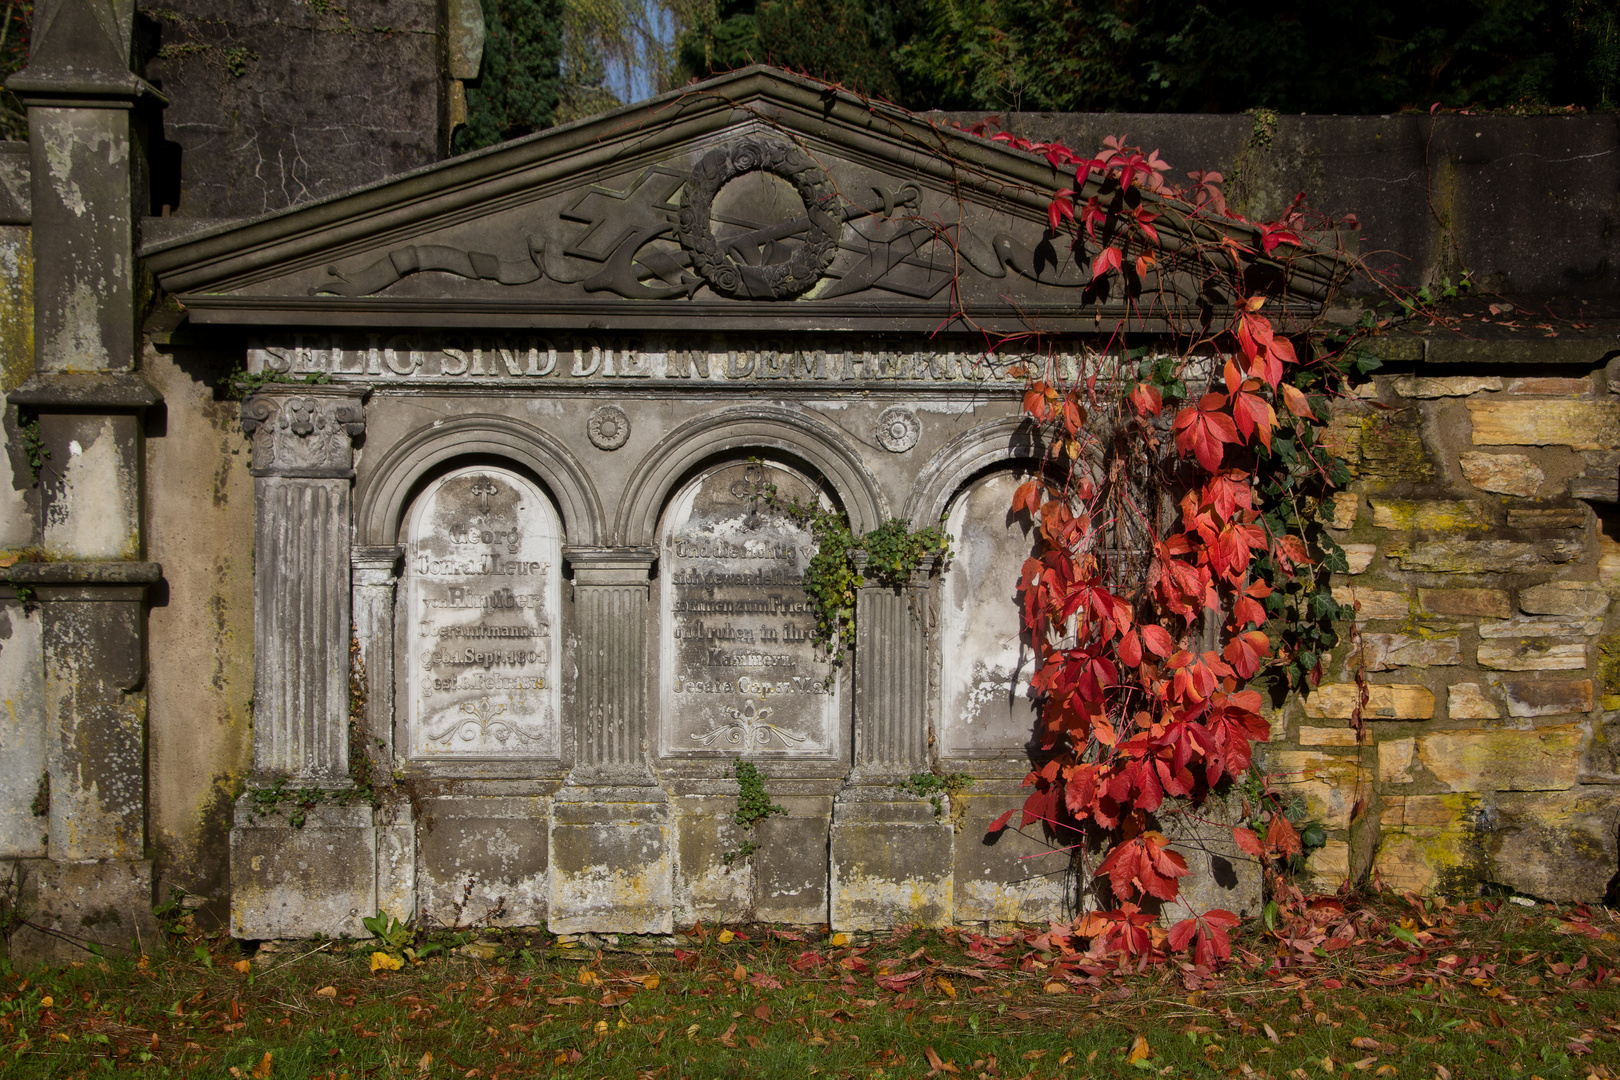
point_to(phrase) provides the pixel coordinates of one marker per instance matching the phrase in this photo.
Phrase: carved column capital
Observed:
(304, 431)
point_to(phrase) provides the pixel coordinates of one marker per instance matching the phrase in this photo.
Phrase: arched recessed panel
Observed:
(738, 673)
(985, 658)
(483, 548)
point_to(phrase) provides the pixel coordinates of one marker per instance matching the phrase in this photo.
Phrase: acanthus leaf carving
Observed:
(304, 432)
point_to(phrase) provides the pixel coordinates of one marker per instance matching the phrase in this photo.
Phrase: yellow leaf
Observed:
(650, 982)
(1139, 1051)
(327, 992)
(261, 1071)
(243, 966)
(588, 977)
(1327, 1063)
(840, 940)
(1364, 1064)
(381, 961)
(426, 1063)
(946, 988)
(726, 937)
(1386, 1070)
(601, 1027)
(47, 1002)
(8, 560)
(691, 1031)
(1054, 987)
(1067, 1054)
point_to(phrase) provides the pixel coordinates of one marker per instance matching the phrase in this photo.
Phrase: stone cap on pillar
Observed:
(79, 58)
(304, 430)
(106, 581)
(610, 566)
(375, 564)
(85, 392)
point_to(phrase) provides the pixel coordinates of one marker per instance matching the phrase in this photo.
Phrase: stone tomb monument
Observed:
(523, 416)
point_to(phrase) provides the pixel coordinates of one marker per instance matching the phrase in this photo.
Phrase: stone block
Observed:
(1327, 736)
(1448, 515)
(1542, 759)
(105, 903)
(318, 879)
(1373, 603)
(1329, 867)
(1569, 517)
(1532, 654)
(1565, 598)
(993, 882)
(1383, 652)
(1426, 841)
(1490, 603)
(1221, 876)
(1502, 474)
(1326, 782)
(1484, 556)
(1385, 701)
(1358, 557)
(1395, 761)
(708, 888)
(1416, 386)
(1609, 565)
(1552, 387)
(1600, 764)
(1583, 425)
(1340, 510)
(1392, 450)
(1534, 626)
(485, 855)
(1468, 701)
(1343, 435)
(22, 733)
(790, 865)
(1547, 697)
(1559, 847)
(1429, 811)
(611, 862)
(891, 863)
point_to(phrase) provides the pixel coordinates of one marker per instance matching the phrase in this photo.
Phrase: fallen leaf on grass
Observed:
(1034, 1055)
(726, 1038)
(1364, 1064)
(945, 987)
(381, 961)
(261, 1071)
(426, 1063)
(1140, 1051)
(765, 981)
(1442, 1072)
(937, 1066)
(327, 992)
(1272, 1035)
(242, 966)
(1361, 1042)
(565, 1001)
(650, 982)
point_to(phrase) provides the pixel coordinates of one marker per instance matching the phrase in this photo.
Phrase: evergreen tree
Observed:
(519, 85)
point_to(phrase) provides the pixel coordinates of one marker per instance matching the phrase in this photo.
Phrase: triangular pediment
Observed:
(759, 200)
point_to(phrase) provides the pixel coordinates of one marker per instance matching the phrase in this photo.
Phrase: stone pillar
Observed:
(611, 863)
(303, 465)
(302, 870)
(375, 575)
(96, 884)
(891, 853)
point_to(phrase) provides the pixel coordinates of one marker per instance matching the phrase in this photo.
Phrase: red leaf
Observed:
(1027, 498)
(1248, 842)
(1130, 649)
(1157, 639)
(1294, 398)
(1001, 822)
(1280, 834)
(1108, 259)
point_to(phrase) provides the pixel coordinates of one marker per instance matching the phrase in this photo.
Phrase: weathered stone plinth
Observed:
(289, 881)
(891, 861)
(486, 854)
(71, 907)
(611, 861)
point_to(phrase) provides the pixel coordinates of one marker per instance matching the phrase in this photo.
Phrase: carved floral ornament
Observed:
(304, 434)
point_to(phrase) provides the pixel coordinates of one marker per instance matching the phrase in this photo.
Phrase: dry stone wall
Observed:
(1480, 538)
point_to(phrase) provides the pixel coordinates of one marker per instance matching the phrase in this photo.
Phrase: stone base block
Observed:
(74, 907)
(1008, 877)
(891, 864)
(1220, 875)
(790, 864)
(611, 862)
(291, 882)
(484, 861)
(707, 888)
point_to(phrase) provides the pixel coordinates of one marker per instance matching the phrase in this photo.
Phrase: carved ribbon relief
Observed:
(656, 240)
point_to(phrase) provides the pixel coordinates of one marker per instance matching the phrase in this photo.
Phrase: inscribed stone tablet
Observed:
(985, 662)
(738, 673)
(482, 594)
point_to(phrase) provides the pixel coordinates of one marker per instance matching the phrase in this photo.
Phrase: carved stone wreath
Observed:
(608, 428)
(897, 429)
(779, 281)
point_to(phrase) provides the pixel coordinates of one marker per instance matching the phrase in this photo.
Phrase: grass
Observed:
(1480, 991)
